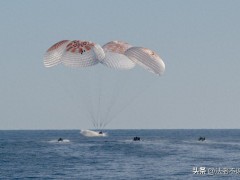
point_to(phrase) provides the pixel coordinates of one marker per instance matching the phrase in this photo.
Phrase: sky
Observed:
(199, 41)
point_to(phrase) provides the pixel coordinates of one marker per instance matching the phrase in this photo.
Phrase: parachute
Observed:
(53, 55)
(147, 59)
(74, 54)
(115, 55)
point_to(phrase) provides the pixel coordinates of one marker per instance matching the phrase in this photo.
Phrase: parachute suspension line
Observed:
(73, 96)
(92, 90)
(80, 97)
(123, 83)
(100, 99)
(110, 107)
(119, 86)
(88, 98)
(128, 103)
(113, 98)
(93, 120)
(85, 92)
(96, 97)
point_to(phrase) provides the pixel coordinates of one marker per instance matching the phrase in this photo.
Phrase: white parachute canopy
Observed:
(74, 54)
(147, 59)
(53, 55)
(115, 57)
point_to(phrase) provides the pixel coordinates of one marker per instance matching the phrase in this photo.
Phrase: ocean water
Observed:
(161, 154)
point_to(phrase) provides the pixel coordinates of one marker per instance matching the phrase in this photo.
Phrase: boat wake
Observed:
(57, 141)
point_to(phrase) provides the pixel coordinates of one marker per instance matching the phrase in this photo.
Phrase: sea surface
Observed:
(161, 154)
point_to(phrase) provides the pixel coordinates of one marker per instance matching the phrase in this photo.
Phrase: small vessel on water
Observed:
(136, 138)
(60, 139)
(201, 138)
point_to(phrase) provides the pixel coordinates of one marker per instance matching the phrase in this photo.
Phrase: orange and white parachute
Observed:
(114, 55)
(53, 55)
(147, 59)
(75, 53)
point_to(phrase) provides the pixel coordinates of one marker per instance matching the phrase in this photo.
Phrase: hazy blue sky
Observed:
(199, 42)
